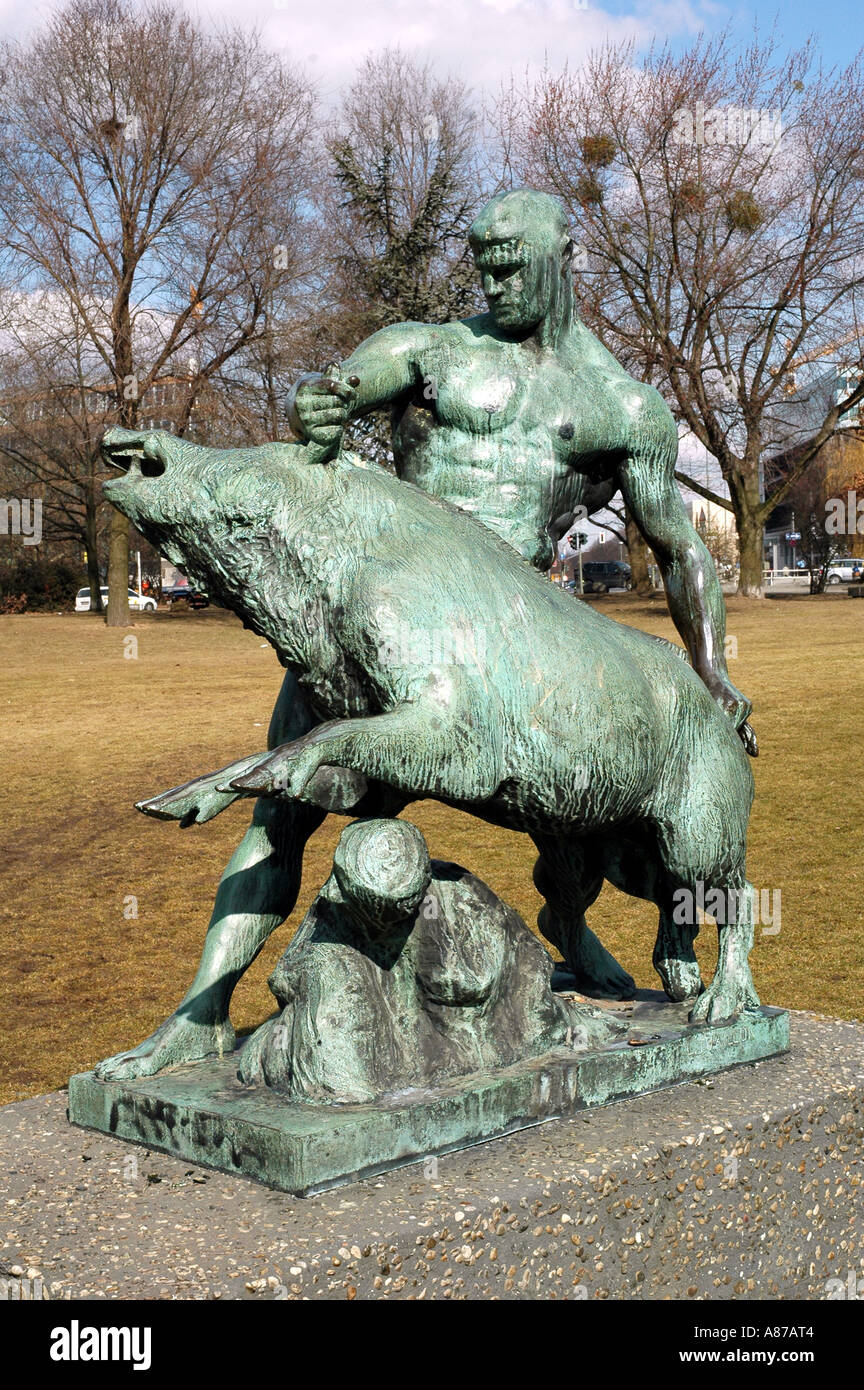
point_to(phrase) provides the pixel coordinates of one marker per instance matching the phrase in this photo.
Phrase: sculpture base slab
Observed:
(202, 1113)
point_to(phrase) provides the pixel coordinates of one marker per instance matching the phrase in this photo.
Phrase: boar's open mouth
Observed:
(132, 453)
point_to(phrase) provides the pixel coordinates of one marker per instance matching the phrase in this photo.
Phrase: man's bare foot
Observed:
(590, 969)
(176, 1041)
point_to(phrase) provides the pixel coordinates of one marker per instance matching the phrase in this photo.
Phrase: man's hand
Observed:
(737, 707)
(319, 407)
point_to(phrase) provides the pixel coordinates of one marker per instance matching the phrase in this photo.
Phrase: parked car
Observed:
(139, 603)
(845, 571)
(176, 593)
(598, 576)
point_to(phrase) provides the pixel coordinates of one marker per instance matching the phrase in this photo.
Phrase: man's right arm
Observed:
(377, 373)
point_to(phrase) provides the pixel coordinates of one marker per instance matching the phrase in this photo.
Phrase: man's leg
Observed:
(569, 875)
(256, 893)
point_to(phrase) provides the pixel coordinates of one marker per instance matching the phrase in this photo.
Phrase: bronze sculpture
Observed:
(514, 416)
(618, 763)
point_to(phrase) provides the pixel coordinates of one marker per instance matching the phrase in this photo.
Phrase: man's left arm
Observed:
(692, 588)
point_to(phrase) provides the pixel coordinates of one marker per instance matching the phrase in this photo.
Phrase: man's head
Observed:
(522, 250)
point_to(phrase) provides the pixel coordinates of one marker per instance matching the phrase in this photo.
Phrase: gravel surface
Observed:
(749, 1184)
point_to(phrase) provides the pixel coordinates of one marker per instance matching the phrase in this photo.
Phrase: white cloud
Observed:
(481, 40)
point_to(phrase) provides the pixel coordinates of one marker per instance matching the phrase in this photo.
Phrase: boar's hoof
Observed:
(724, 1000)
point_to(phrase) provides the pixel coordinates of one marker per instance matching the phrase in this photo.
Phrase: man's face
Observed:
(514, 285)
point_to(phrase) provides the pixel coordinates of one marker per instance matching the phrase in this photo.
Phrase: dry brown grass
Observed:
(86, 732)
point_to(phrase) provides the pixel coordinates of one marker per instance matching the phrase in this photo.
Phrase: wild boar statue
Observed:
(440, 664)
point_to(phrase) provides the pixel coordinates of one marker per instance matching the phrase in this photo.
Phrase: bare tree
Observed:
(51, 420)
(822, 493)
(403, 189)
(151, 170)
(718, 197)
(403, 185)
(639, 557)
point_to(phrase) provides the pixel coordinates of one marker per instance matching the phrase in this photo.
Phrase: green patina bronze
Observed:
(426, 655)
(535, 713)
(408, 972)
(520, 415)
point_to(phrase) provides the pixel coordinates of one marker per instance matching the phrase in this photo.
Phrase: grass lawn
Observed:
(87, 730)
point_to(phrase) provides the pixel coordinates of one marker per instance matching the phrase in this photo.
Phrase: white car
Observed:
(845, 571)
(139, 603)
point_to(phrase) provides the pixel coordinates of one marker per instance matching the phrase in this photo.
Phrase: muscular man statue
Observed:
(518, 415)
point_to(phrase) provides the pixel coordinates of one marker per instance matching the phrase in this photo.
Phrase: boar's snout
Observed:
(134, 451)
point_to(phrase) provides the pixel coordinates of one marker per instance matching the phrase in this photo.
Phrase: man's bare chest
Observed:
(496, 392)
(495, 412)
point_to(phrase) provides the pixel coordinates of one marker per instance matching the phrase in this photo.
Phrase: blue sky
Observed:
(837, 24)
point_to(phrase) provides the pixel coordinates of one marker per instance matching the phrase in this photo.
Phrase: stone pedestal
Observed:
(745, 1185)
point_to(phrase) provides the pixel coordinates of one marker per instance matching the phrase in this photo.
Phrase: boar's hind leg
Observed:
(416, 748)
(632, 861)
(732, 990)
(703, 862)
